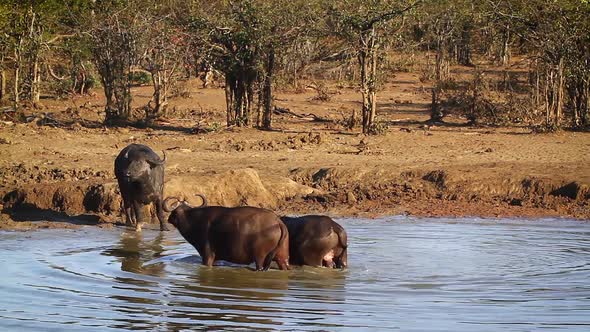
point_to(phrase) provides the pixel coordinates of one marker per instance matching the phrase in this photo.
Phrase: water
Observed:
(405, 274)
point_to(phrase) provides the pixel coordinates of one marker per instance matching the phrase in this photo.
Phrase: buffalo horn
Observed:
(203, 199)
(171, 203)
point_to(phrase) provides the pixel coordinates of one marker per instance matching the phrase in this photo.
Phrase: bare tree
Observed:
(559, 35)
(228, 32)
(359, 23)
(114, 49)
(244, 40)
(163, 49)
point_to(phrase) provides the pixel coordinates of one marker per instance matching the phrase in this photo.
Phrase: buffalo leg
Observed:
(259, 260)
(283, 264)
(153, 215)
(208, 256)
(313, 261)
(128, 216)
(329, 263)
(259, 266)
(126, 197)
(311, 257)
(127, 207)
(208, 260)
(138, 207)
(342, 259)
(160, 214)
(133, 215)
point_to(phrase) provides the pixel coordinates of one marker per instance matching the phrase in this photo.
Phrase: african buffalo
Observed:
(140, 174)
(316, 241)
(239, 235)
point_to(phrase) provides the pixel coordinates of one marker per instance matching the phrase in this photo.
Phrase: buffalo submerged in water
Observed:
(317, 241)
(239, 235)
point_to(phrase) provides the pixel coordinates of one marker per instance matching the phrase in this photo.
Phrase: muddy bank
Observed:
(443, 192)
(92, 201)
(337, 191)
(63, 170)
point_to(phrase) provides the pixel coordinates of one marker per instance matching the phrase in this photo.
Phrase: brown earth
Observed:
(58, 167)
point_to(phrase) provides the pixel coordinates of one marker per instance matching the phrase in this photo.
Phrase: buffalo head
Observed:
(142, 168)
(177, 207)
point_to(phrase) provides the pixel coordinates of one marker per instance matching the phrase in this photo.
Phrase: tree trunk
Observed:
(107, 84)
(441, 59)
(560, 92)
(464, 48)
(228, 99)
(373, 81)
(156, 96)
(15, 90)
(367, 58)
(586, 101)
(35, 81)
(505, 52)
(122, 94)
(82, 83)
(435, 113)
(547, 92)
(267, 94)
(364, 72)
(32, 56)
(16, 83)
(575, 95)
(246, 106)
(260, 106)
(165, 90)
(2, 85)
(250, 101)
(239, 102)
(537, 94)
(295, 78)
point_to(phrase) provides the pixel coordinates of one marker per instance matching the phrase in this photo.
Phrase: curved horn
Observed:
(169, 207)
(159, 161)
(202, 198)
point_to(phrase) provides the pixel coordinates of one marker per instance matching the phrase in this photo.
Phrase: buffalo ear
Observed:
(155, 163)
(180, 212)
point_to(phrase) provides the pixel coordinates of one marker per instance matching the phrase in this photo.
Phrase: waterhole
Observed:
(405, 274)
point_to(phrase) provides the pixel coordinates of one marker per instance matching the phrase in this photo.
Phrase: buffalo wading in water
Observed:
(239, 235)
(140, 174)
(316, 241)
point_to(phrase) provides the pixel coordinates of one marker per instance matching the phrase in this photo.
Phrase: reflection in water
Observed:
(133, 251)
(230, 294)
(133, 289)
(407, 274)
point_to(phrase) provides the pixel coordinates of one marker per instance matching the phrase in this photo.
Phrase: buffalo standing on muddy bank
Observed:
(140, 174)
(239, 235)
(316, 241)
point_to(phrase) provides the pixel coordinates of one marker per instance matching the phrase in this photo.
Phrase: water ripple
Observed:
(405, 273)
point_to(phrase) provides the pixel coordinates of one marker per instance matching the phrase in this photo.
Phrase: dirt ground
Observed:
(59, 166)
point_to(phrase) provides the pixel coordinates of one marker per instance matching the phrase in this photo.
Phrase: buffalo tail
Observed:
(272, 253)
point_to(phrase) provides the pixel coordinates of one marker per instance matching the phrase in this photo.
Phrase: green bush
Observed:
(140, 78)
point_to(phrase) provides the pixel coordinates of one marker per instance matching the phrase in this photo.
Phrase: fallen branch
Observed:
(283, 111)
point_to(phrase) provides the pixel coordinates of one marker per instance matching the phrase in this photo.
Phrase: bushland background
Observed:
(341, 107)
